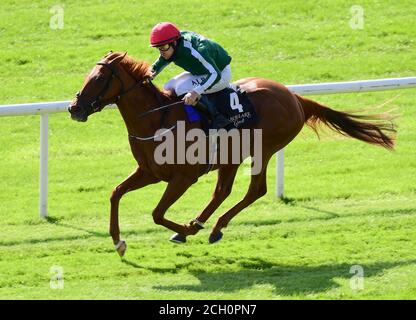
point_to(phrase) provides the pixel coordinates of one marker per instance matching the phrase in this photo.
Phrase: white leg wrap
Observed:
(119, 244)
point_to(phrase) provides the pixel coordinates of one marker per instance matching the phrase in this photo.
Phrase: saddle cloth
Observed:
(233, 104)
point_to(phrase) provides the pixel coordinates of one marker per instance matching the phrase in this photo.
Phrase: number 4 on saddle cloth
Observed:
(235, 105)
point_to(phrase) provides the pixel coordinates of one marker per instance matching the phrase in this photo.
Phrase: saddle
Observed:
(234, 104)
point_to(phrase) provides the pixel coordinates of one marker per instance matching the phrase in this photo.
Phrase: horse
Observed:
(119, 79)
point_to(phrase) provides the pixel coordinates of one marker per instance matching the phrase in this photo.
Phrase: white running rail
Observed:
(44, 109)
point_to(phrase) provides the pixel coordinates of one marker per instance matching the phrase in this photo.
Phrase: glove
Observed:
(150, 74)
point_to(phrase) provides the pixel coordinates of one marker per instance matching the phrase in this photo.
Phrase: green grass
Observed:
(347, 203)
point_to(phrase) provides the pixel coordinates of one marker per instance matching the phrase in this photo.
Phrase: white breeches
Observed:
(185, 82)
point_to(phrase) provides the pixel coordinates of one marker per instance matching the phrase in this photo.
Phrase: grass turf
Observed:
(347, 203)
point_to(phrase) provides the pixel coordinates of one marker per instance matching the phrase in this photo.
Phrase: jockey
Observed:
(206, 63)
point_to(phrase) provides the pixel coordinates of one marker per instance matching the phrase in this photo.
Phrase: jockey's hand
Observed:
(150, 74)
(191, 98)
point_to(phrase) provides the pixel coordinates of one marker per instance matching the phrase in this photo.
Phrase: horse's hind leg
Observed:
(223, 188)
(176, 187)
(226, 176)
(257, 189)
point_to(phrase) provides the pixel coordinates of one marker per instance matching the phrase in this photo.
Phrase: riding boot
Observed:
(218, 120)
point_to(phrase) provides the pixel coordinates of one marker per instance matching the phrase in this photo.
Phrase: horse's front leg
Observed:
(138, 179)
(175, 189)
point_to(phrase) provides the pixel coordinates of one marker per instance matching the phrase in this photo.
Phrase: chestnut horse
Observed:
(119, 79)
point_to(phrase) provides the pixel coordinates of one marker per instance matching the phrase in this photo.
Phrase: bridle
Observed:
(98, 104)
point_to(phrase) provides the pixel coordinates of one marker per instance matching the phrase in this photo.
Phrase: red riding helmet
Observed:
(163, 33)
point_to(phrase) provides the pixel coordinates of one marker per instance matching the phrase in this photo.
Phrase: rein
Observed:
(97, 105)
(142, 115)
(161, 107)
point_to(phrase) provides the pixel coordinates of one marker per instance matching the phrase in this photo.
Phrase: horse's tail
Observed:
(370, 130)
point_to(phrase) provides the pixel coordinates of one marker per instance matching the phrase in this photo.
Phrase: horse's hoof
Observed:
(178, 238)
(215, 237)
(121, 248)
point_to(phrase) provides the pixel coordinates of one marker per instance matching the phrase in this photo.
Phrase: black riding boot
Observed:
(218, 120)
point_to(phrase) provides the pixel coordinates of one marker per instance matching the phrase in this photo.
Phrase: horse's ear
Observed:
(118, 58)
(108, 54)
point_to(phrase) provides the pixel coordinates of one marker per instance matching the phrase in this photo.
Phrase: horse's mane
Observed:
(136, 68)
